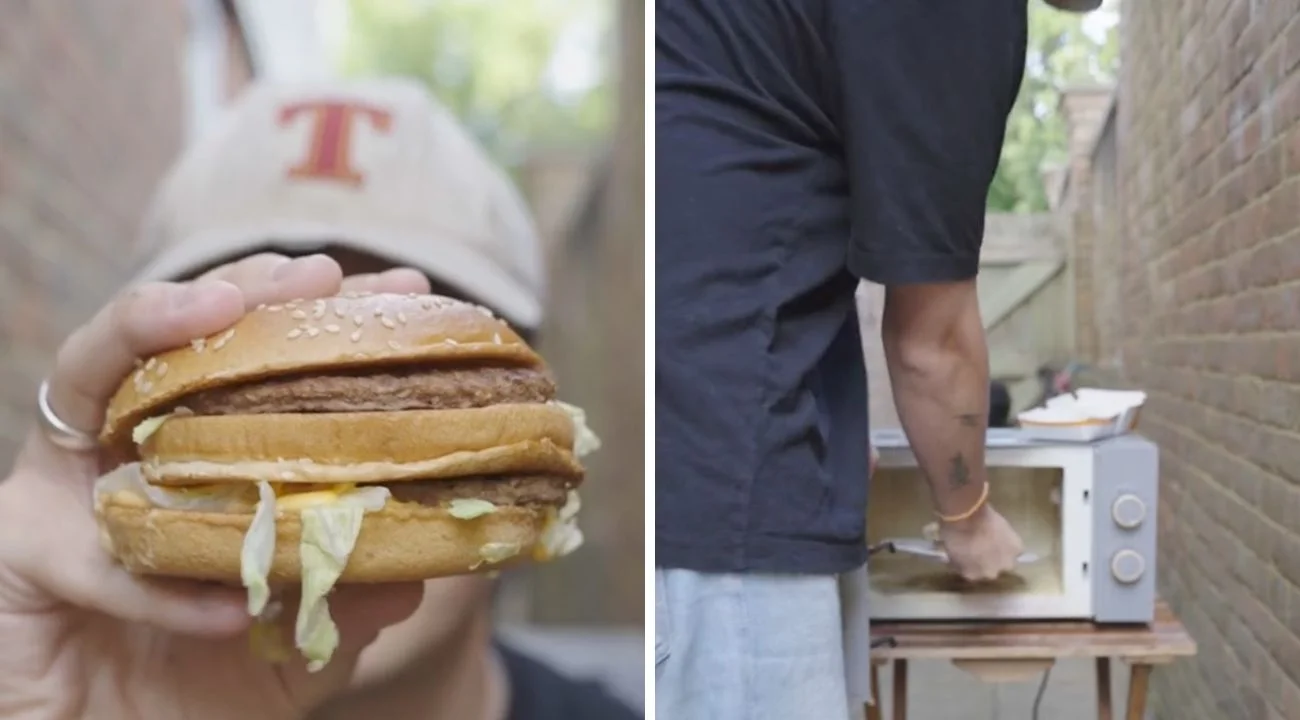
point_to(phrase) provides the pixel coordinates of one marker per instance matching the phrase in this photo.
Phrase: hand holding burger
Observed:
(85, 637)
(364, 438)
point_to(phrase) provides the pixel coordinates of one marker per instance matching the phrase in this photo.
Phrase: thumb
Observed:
(360, 612)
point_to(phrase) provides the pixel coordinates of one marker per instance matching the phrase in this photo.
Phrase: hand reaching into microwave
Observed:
(981, 547)
(938, 361)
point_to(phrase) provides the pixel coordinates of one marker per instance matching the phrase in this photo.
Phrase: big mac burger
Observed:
(355, 439)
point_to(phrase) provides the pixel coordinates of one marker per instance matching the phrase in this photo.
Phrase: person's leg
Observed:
(748, 647)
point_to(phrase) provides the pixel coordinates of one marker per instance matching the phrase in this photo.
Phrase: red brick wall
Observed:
(1205, 282)
(90, 115)
(1085, 109)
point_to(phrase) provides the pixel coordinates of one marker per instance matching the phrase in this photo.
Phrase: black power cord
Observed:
(1042, 690)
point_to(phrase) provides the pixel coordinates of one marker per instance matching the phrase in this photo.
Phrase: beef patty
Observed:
(449, 388)
(528, 490)
(443, 388)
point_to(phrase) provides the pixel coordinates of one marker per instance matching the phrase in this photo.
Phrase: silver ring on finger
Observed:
(59, 432)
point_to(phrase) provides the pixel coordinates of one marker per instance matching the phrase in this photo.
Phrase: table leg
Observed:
(1139, 676)
(873, 711)
(900, 690)
(1105, 706)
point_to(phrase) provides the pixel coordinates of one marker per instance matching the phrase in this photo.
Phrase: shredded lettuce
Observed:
(331, 525)
(585, 441)
(329, 533)
(122, 477)
(209, 498)
(572, 504)
(561, 534)
(328, 536)
(259, 550)
(370, 498)
(495, 552)
(147, 427)
(470, 508)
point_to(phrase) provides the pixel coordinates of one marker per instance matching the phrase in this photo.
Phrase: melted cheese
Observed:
(296, 497)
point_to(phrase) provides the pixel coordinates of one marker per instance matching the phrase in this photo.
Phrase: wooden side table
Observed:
(1015, 651)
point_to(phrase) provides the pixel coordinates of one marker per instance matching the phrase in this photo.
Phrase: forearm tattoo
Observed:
(958, 472)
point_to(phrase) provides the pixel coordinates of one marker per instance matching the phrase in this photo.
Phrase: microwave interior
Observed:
(900, 507)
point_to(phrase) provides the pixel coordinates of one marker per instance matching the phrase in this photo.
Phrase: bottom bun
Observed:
(397, 544)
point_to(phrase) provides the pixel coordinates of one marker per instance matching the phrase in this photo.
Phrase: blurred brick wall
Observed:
(92, 110)
(1197, 211)
(1084, 109)
(90, 115)
(595, 341)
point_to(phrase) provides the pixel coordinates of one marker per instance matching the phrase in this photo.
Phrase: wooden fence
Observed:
(1025, 301)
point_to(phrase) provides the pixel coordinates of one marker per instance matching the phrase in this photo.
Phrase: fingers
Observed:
(88, 369)
(984, 564)
(145, 320)
(54, 550)
(397, 280)
(977, 572)
(367, 609)
(179, 606)
(155, 317)
(270, 278)
(981, 575)
(361, 612)
(68, 561)
(987, 568)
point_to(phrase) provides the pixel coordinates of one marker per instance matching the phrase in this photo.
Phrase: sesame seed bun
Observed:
(402, 542)
(430, 395)
(333, 334)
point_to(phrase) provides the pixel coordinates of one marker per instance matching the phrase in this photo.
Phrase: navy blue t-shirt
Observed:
(802, 145)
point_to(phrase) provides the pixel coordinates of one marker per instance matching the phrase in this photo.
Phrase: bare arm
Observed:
(938, 368)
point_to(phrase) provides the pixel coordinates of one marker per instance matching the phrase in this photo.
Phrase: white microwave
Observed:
(1086, 512)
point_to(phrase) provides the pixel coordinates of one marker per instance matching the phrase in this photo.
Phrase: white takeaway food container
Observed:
(1085, 415)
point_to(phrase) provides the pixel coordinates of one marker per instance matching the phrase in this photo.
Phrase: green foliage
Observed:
(494, 63)
(1060, 54)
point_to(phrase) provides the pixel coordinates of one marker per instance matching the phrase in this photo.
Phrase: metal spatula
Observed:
(920, 547)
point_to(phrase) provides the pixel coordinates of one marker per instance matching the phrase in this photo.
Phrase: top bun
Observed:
(355, 330)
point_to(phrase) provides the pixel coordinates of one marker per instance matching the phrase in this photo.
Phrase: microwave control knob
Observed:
(1127, 566)
(1128, 511)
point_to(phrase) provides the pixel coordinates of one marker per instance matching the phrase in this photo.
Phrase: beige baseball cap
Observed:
(377, 166)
